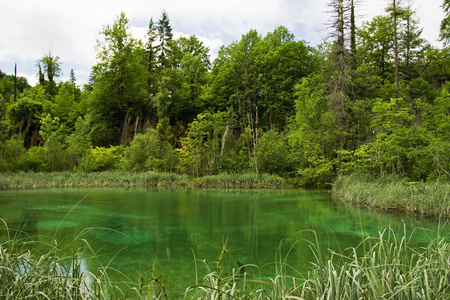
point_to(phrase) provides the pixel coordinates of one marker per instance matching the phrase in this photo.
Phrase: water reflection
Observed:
(153, 230)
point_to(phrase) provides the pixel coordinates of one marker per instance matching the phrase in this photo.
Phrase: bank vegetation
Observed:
(385, 266)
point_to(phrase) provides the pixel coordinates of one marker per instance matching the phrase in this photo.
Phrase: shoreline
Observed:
(424, 198)
(28, 180)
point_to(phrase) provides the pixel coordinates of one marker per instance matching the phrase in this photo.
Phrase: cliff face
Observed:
(125, 133)
(32, 136)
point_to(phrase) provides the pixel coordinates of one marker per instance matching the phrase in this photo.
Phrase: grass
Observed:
(383, 267)
(23, 180)
(42, 268)
(430, 198)
(387, 266)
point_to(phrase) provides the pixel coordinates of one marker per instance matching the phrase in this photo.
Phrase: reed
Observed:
(383, 267)
(24, 180)
(427, 198)
(41, 268)
(241, 181)
(387, 266)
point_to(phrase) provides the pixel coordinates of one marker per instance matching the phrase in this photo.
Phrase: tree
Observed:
(52, 133)
(190, 63)
(151, 50)
(143, 153)
(52, 68)
(201, 148)
(338, 67)
(312, 132)
(445, 23)
(120, 81)
(79, 142)
(164, 31)
(377, 44)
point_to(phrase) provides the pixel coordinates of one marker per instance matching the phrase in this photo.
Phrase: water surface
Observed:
(172, 233)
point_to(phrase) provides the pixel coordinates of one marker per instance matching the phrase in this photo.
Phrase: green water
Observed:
(172, 233)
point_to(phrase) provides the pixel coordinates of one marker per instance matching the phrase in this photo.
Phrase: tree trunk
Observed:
(353, 33)
(397, 85)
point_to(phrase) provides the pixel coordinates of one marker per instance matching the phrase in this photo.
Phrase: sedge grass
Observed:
(22, 180)
(430, 198)
(387, 266)
(383, 267)
(42, 268)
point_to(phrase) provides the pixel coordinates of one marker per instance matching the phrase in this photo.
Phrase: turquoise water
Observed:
(174, 234)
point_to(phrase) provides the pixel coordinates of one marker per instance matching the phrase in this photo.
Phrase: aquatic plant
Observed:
(133, 179)
(387, 266)
(428, 198)
(383, 267)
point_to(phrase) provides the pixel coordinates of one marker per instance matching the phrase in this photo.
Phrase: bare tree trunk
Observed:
(397, 86)
(15, 82)
(353, 33)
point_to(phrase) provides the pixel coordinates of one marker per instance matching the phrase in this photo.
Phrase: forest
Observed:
(373, 99)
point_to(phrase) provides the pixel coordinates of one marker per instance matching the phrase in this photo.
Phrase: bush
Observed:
(102, 159)
(12, 155)
(144, 153)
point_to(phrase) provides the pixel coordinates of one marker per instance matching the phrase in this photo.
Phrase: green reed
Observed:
(383, 267)
(241, 181)
(42, 268)
(387, 266)
(428, 198)
(135, 179)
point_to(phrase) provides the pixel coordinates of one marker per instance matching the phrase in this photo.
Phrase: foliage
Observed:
(273, 153)
(120, 89)
(200, 152)
(379, 268)
(395, 194)
(311, 134)
(52, 132)
(12, 155)
(79, 143)
(101, 159)
(374, 102)
(144, 153)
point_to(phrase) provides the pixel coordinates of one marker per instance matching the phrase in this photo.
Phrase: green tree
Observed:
(52, 68)
(143, 153)
(52, 132)
(201, 149)
(12, 155)
(80, 143)
(445, 23)
(312, 133)
(120, 82)
(273, 153)
(65, 105)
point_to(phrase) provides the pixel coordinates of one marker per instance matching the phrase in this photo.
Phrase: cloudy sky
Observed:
(29, 29)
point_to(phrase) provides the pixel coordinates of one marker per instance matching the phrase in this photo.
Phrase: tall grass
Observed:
(387, 266)
(383, 267)
(243, 181)
(430, 198)
(41, 268)
(135, 179)
(95, 179)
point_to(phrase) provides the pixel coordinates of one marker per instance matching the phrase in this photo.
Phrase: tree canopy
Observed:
(375, 99)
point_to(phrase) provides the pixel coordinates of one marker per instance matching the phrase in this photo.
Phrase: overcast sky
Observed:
(29, 29)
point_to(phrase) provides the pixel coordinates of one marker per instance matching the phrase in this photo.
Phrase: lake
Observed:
(174, 233)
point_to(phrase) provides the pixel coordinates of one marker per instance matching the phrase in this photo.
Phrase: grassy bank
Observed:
(23, 180)
(386, 266)
(431, 198)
